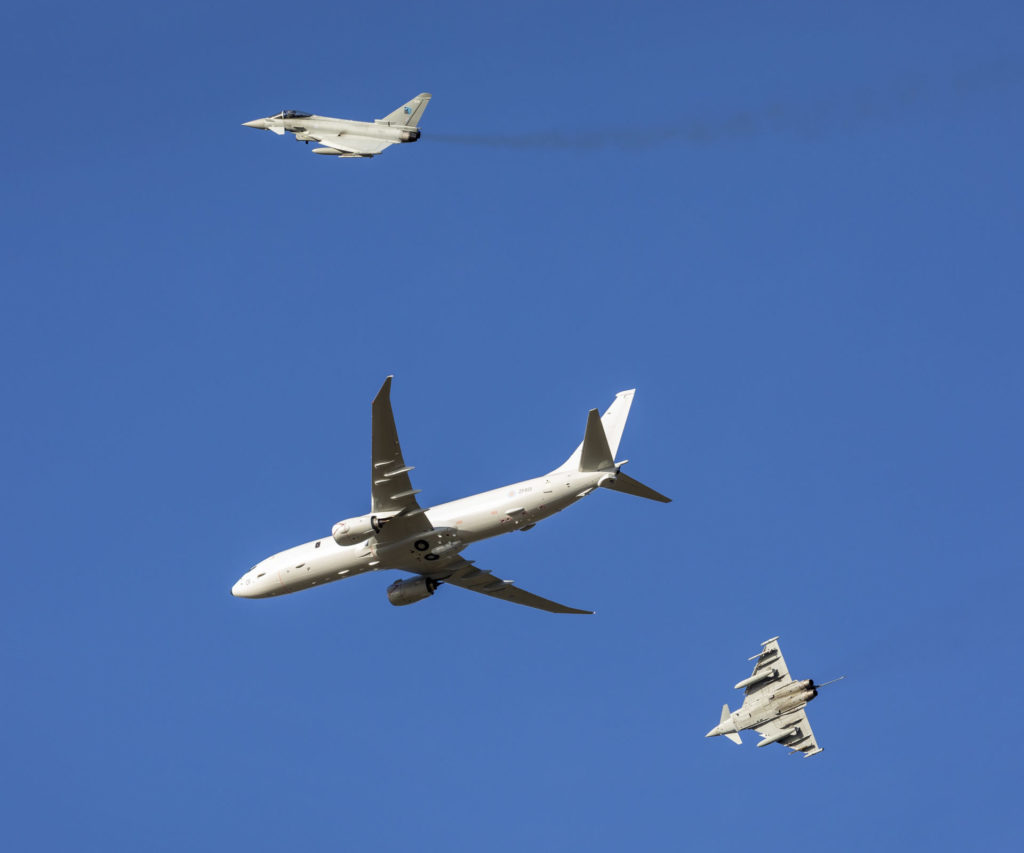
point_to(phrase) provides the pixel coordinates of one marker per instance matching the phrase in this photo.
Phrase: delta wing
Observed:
(770, 672)
(792, 731)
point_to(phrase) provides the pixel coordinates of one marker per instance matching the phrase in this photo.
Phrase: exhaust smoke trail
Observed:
(807, 121)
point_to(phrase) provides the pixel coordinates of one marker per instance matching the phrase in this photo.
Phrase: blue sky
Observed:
(795, 230)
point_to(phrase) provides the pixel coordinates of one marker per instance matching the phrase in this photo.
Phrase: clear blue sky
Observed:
(795, 230)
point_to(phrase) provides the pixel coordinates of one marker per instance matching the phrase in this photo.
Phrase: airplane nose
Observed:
(259, 123)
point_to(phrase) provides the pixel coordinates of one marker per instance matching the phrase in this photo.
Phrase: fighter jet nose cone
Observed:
(712, 733)
(257, 123)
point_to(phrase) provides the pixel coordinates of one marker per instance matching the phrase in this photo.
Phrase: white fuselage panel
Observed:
(477, 517)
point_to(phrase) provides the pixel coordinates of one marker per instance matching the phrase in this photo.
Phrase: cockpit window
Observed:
(293, 114)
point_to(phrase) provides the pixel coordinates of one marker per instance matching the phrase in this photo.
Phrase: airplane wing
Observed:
(351, 143)
(391, 489)
(463, 573)
(791, 730)
(772, 666)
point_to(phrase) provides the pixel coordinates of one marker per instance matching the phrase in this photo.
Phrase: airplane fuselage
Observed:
(792, 697)
(314, 128)
(457, 524)
(322, 125)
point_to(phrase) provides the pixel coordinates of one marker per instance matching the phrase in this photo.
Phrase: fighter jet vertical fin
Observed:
(733, 736)
(409, 114)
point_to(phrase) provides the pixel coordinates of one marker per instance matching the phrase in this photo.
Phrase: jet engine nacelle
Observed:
(795, 687)
(411, 590)
(410, 135)
(352, 531)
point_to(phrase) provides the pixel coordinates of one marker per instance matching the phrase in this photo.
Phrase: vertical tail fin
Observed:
(733, 736)
(613, 421)
(409, 114)
(601, 443)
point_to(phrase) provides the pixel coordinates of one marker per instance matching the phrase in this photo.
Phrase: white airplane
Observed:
(773, 705)
(345, 137)
(398, 534)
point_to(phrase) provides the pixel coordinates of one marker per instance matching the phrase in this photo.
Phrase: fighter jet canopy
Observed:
(292, 114)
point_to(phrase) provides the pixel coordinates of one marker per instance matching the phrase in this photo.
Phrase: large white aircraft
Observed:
(342, 137)
(398, 534)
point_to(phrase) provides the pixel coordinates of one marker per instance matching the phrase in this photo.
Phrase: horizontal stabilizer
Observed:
(595, 455)
(613, 421)
(624, 483)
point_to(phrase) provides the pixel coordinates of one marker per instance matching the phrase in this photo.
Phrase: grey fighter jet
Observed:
(342, 137)
(773, 705)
